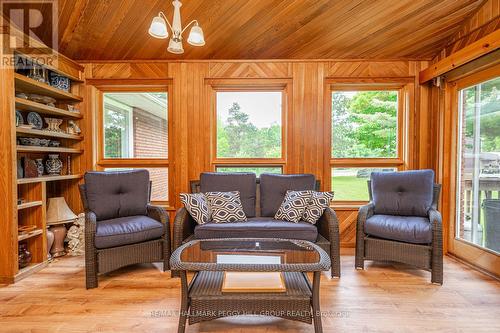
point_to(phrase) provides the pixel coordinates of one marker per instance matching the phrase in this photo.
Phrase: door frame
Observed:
(473, 254)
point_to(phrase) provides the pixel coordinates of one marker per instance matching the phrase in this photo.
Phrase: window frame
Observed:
(249, 85)
(403, 87)
(135, 86)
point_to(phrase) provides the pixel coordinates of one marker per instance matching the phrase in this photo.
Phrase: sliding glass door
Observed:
(478, 199)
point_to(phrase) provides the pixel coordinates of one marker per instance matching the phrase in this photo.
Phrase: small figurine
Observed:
(73, 128)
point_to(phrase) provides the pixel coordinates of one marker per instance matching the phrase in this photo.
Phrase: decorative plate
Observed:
(19, 118)
(35, 119)
(41, 99)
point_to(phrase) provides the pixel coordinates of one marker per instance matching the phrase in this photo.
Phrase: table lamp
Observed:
(58, 214)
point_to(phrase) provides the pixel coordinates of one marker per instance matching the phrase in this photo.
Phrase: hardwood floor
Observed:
(383, 298)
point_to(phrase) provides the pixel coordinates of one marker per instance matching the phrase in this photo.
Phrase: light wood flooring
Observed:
(383, 298)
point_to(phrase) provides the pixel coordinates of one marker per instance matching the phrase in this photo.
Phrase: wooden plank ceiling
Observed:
(265, 29)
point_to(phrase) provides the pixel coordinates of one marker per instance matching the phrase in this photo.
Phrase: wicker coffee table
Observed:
(203, 298)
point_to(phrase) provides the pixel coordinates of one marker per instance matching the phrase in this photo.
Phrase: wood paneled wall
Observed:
(308, 116)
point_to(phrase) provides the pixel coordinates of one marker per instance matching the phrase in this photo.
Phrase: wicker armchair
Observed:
(391, 234)
(257, 202)
(121, 227)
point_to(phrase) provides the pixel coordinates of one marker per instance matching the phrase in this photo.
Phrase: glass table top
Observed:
(250, 255)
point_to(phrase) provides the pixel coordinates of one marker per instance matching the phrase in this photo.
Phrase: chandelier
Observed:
(158, 29)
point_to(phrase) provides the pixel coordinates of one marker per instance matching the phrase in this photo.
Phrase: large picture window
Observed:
(134, 129)
(249, 124)
(249, 127)
(366, 136)
(365, 124)
(135, 125)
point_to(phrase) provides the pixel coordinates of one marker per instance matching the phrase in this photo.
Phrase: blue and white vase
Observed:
(60, 82)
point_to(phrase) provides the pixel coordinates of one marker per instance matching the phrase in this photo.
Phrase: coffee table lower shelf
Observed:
(208, 302)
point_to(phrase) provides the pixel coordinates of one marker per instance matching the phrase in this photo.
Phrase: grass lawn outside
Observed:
(348, 188)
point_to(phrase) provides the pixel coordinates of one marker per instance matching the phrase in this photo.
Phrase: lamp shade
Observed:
(175, 46)
(196, 37)
(158, 28)
(58, 211)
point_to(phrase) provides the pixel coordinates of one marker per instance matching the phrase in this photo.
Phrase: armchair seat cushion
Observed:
(258, 227)
(410, 229)
(127, 230)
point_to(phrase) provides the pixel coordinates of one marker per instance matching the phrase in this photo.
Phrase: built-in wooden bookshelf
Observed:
(29, 196)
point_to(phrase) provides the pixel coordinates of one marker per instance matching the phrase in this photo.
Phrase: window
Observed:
(350, 184)
(249, 124)
(478, 206)
(366, 136)
(257, 170)
(134, 127)
(365, 124)
(249, 127)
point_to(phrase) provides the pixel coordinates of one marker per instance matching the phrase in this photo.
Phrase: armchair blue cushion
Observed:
(406, 193)
(402, 223)
(127, 230)
(410, 229)
(117, 194)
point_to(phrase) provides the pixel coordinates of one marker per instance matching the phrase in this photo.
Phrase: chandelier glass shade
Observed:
(160, 25)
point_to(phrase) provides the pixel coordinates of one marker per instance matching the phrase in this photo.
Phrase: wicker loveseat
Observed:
(261, 199)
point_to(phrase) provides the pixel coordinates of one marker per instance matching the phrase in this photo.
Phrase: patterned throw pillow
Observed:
(293, 206)
(319, 202)
(226, 207)
(197, 206)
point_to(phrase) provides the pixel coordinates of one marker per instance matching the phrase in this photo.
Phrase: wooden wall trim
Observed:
(473, 51)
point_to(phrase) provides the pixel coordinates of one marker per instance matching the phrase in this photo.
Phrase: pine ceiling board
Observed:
(223, 23)
(131, 39)
(90, 29)
(372, 37)
(421, 28)
(286, 36)
(264, 32)
(264, 29)
(123, 25)
(70, 15)
(235, 38)
(360, 21)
